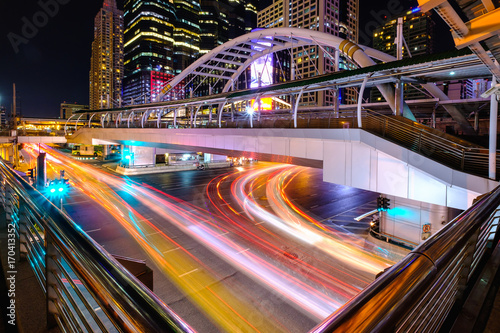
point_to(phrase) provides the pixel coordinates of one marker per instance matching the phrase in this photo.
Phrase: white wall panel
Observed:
(265, 144)
(298, 147)
(423, 187)
(219, 141)
(361, 165)
(250, 144)
(280, 146)
(334, 162)
(392, 176)
(314, 149)
(459, 198)
(209, 141)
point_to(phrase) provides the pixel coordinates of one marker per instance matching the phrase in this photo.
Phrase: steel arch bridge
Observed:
(228, 61)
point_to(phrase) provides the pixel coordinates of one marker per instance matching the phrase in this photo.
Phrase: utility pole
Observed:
(13, 131)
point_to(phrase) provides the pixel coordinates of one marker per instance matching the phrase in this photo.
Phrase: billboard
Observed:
(262, 68)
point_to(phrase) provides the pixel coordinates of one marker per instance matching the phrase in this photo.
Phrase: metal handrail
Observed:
(436, 145)
(128, 305)
(417, 294)
(433, 144)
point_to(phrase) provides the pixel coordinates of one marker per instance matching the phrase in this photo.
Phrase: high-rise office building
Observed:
(148, 48)
(3, 116)
(418, 34)
(106, 68)
(220, 21)
(418, 30)
(163, 37)
(319, 15)
(186, 33)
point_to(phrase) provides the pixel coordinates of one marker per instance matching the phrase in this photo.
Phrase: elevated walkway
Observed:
(388, 155)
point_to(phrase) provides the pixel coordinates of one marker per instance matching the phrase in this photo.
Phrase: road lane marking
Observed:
(92, 230)
(177, 248)
(243, 251)
(194, 270)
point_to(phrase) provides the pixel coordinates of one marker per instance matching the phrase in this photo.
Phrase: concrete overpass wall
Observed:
(350, 157)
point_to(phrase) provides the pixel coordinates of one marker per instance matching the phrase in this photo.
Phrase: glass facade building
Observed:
(318, 15)
(418, 33)
(163, 37)
(106, 67)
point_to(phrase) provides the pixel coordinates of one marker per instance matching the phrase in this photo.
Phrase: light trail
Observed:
(316, 284)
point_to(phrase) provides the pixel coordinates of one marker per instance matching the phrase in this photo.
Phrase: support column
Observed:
(433, 123)
(476, 121)
(399, 100)
(360, 99)
(41, 171)
(296, 108)
(493, 133)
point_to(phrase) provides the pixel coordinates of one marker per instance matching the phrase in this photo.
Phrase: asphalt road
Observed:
(257, 248)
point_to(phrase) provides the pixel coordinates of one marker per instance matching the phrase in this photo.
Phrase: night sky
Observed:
(50, 65)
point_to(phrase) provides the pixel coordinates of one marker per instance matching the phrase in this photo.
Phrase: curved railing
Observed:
(418, 293)
(77, 275)
(434, 144)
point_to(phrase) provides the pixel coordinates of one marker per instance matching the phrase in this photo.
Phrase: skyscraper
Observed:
(148, 49)
(163, 37)
(318, 15)
(418, 34)
(106, 68)
(186, 33)
(418, 30)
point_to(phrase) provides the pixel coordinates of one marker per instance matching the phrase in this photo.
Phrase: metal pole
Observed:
(296, 107)
(399, 100)
(399, 39)
(360, 98)
(492, 165)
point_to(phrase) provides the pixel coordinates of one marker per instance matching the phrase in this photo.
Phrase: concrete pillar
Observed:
(399, 100)
(476, 121)
(493, 133)
(142, 156)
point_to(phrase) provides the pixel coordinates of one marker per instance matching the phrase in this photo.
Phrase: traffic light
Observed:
(386, 204)
(383, 204)
(380, 204)
(29, 173)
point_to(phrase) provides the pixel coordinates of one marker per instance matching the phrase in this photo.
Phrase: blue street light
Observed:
(58, 186)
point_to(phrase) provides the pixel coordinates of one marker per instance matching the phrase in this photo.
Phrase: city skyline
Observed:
(50, 66)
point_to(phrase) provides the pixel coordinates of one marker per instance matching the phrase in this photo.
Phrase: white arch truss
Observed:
(229, 60)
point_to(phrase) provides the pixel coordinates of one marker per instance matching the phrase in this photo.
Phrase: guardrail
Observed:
(77, 275)
(436, 145)
(418, 293)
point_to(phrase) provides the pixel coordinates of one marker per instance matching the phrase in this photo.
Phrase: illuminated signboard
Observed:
(266, 104)
(262, 68)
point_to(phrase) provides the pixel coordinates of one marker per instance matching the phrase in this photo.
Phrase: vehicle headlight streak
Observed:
(317, 293)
